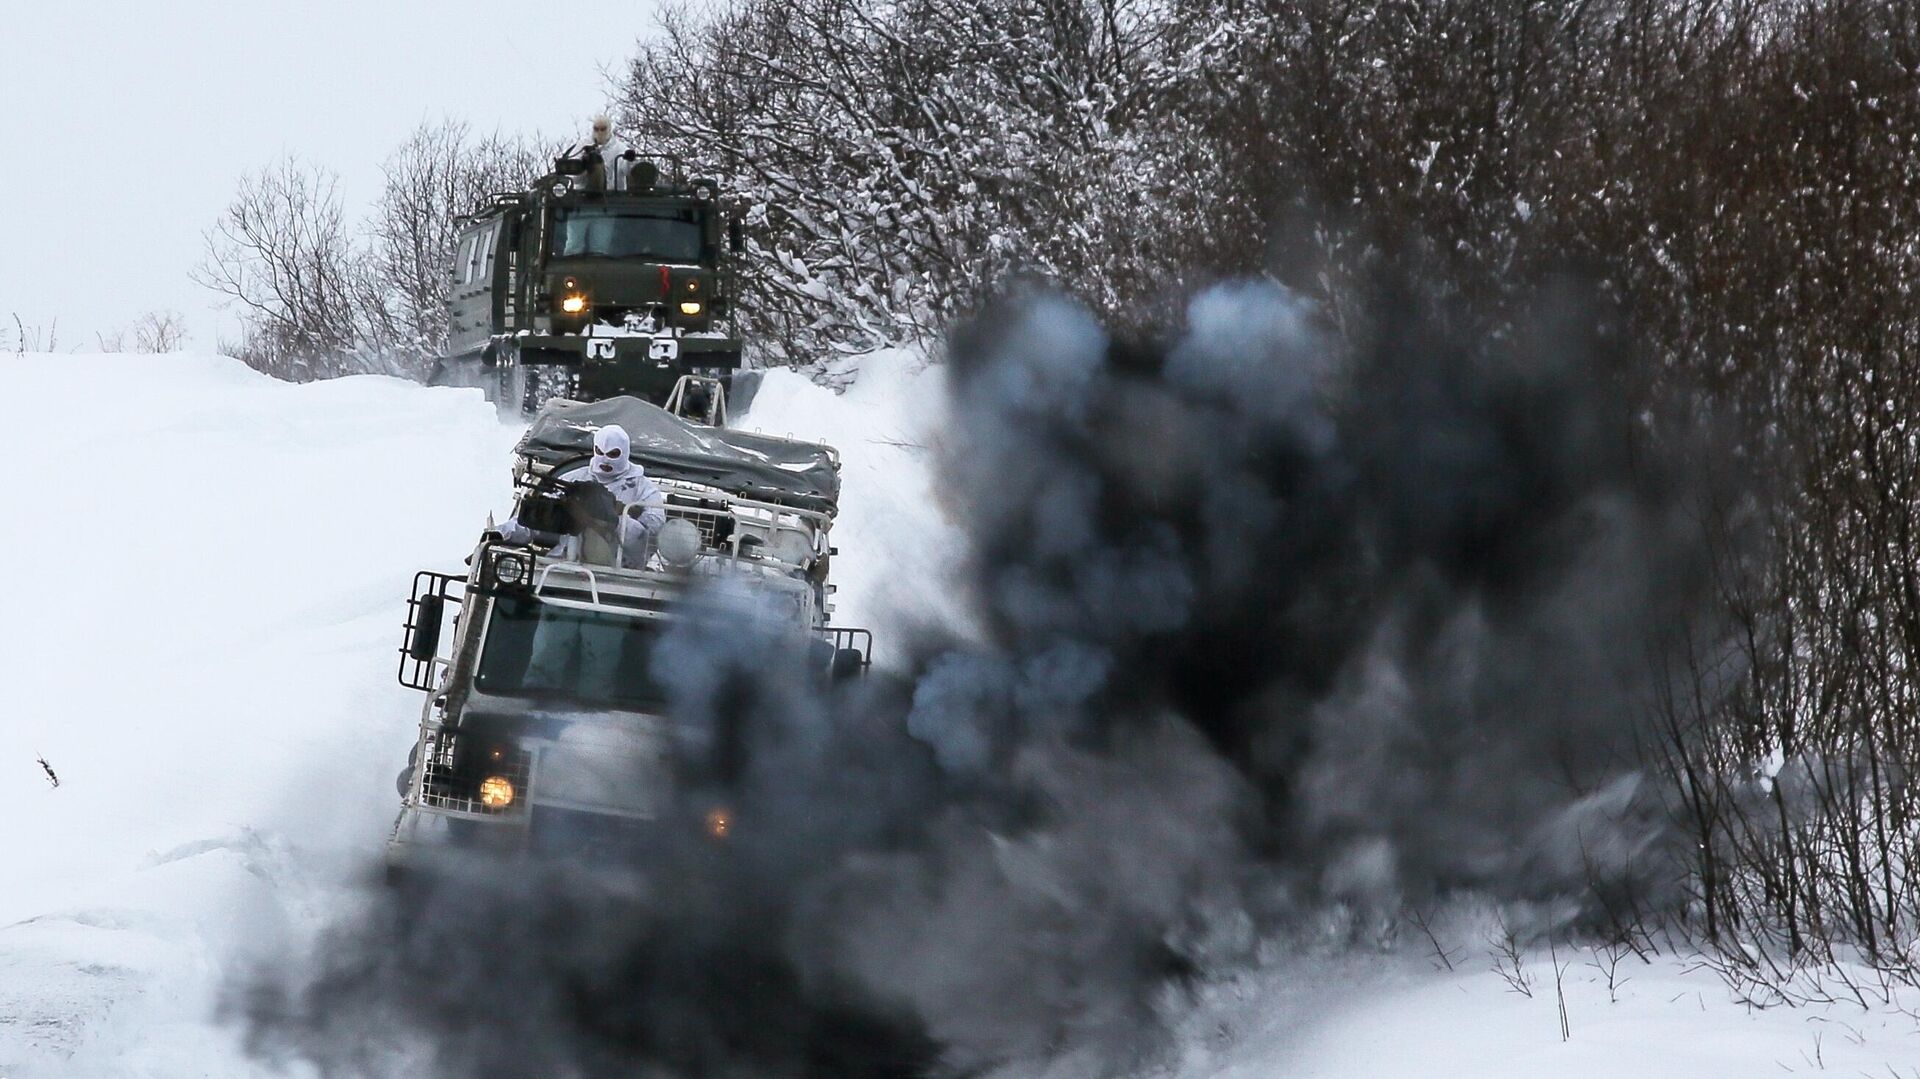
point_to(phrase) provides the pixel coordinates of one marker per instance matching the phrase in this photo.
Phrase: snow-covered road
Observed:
(198, 634)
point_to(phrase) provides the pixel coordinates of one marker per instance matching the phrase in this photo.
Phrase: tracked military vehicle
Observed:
(546, 732)
(586, 289)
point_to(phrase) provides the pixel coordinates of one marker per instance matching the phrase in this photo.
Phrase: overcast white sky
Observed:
(124, 124)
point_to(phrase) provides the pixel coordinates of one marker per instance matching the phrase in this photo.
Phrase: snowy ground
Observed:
(1405, 1018)
(199, 638)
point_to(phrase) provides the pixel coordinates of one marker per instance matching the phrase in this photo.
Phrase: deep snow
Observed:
(199, 638)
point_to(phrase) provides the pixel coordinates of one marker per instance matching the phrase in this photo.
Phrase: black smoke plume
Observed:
(1277, 620)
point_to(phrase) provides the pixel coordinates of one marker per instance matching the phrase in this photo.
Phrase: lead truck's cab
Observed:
(571, 289)
(545, 731)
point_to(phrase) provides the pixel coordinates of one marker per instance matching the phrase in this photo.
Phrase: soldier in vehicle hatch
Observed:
(642, 505)
(606, 156)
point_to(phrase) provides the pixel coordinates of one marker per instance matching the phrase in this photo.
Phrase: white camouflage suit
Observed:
(611, 151)
(612, 467)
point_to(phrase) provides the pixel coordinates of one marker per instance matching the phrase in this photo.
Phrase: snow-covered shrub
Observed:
(903, 160)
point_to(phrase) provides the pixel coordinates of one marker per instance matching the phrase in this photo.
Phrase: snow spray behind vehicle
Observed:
(1275, 625)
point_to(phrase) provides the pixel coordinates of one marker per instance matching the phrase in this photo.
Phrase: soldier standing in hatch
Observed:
(643, 506)
(605, 156)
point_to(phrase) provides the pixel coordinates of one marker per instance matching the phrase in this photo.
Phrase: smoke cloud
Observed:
(1277, 621)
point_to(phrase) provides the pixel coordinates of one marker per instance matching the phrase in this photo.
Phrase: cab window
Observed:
(463, 261)
(604, 232)
(483, 254)
(535, 649)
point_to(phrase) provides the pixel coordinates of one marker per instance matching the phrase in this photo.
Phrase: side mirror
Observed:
(423, 631)
(736, 236)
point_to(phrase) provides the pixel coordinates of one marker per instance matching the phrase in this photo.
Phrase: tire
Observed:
(543, 384)
(533, 393)
(507, 389)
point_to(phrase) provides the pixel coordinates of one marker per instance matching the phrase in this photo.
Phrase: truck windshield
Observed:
(604, 232)
(539, 650)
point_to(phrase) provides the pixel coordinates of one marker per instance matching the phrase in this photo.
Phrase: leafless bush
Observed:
(155, 331)
(321, 295)
(160, 331)
(1560, 988)
(1442, 957)
(284, 254)
(1607, 956)
(1508, 961)
(36, 338)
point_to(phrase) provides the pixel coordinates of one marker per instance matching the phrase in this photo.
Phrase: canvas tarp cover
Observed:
(799, 474)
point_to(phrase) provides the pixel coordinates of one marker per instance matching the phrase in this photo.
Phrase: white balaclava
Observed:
(611, 450)
(602, 131)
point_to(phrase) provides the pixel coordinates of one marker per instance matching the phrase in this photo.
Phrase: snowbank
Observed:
(200, 643)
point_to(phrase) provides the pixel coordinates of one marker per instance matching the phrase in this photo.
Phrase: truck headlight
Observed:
(573, 305)
(510, 570)
(691, 307)
(496, 792)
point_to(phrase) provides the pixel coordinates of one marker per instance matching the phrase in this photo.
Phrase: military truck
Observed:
(572, 289)
(546, 732)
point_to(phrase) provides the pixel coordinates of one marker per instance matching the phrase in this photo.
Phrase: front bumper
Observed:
(639, 366)
(662, 351)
